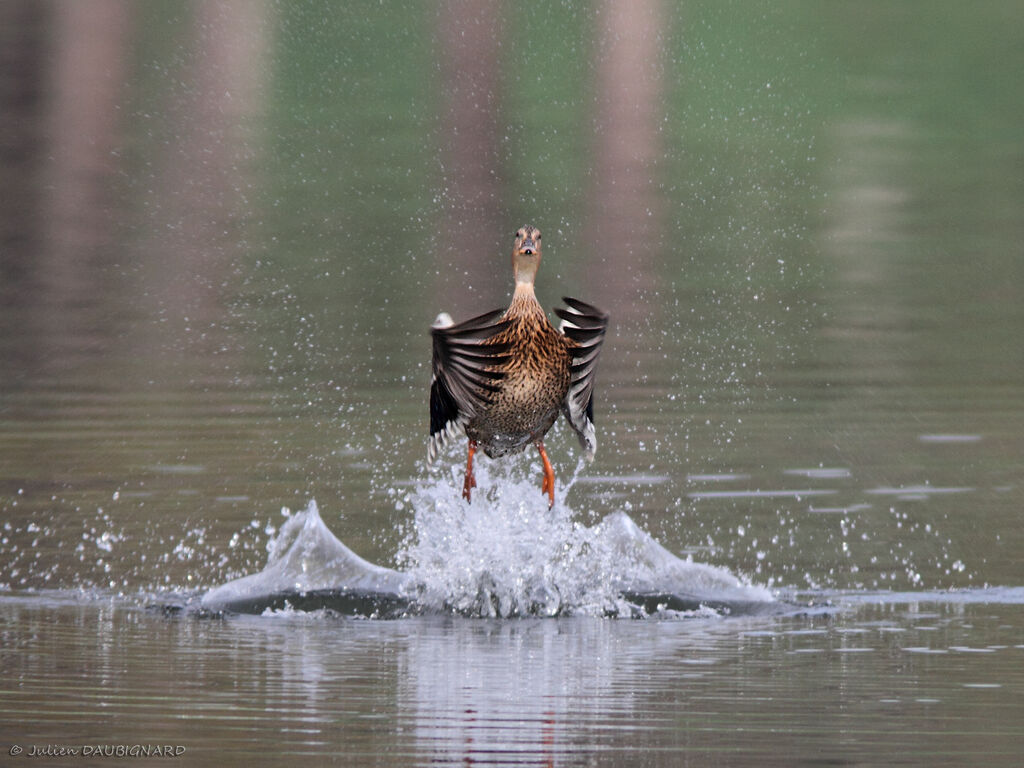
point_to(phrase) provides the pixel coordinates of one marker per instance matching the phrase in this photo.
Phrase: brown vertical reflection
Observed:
(196, 198)
(469, 251)
(24, 25)
(85, 85)
(623, 208)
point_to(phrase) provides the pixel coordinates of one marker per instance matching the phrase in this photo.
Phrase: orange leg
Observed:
(470, 481)
(548, 486)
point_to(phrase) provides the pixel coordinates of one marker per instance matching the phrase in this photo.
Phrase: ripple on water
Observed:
(916, 491)
(940, 438)
(826, 473)
(761, 494)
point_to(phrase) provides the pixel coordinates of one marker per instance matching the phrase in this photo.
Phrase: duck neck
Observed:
(524, 272)
(524, 290)
(524, 301)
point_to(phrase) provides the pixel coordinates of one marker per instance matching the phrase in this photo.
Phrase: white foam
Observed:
(305, 557)
(506, 554)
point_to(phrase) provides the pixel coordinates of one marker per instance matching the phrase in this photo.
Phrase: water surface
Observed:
(227, 227)
(919, 680)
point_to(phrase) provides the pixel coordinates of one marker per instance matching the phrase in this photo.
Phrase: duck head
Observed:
(526, 254)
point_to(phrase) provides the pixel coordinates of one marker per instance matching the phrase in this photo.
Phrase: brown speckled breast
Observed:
(530, 396)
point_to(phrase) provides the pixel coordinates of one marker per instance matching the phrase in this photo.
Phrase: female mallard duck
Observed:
(502, 377)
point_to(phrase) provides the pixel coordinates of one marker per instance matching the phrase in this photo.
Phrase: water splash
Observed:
(507, 554)
(308, 567)
(504, 555)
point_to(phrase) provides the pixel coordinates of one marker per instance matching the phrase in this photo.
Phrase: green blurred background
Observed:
(226, 227)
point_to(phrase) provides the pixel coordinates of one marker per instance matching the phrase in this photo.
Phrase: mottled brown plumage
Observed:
(503, 377)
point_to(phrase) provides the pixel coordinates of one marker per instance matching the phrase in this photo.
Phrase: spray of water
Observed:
(504, 555)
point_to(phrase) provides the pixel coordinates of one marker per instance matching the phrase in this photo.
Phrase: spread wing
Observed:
(462, 373)
(585, 325)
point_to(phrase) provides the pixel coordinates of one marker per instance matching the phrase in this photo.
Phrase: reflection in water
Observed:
(865, 232)
(518, 690)
(624, 207)
(471, 37)
(85, 131)
(879, 677)
(128, 227)
(66, 138)
(23, 28)
(195, 186)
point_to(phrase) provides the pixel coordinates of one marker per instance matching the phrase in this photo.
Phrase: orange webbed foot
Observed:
(470, 482)
(547, 486)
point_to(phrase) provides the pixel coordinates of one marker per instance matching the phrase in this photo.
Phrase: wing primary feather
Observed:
(585, 326)
(466, 369)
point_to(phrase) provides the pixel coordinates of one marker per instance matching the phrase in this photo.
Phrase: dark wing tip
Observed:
(581, 307)
(585, 325)
(465, 357)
